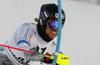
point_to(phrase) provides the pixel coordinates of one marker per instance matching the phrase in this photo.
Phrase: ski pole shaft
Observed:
(51, 57)
(17, 48)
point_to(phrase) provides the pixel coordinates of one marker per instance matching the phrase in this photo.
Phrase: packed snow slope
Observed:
(80, 34)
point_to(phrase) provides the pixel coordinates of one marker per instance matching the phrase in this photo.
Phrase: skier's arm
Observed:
(22, 38)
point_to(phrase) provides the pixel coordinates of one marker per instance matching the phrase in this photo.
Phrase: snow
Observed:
(80, 34)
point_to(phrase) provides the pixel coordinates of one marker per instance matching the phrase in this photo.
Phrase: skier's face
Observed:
(51, 33)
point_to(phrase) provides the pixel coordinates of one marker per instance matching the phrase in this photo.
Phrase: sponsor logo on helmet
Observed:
(56, 15)
(42, 15)
(45, 14)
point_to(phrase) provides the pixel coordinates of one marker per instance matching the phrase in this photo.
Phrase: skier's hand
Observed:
(61, 60)
(47, 59)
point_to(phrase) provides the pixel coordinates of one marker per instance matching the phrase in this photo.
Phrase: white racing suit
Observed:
(26, 37)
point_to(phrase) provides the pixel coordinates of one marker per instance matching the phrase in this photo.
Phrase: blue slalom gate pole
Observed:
(59, 32)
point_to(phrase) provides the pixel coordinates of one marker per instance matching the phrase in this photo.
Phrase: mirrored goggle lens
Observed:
(53, 24)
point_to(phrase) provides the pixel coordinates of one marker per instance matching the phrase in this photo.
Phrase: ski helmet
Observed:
(49, 12)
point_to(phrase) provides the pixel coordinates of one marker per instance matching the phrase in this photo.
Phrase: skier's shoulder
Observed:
(29, 24)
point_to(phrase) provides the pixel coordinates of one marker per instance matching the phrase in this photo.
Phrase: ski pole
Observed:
(65, 58)
(16, 48)
(51, 57)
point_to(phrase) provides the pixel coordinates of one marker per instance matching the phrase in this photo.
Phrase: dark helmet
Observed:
(49, 12)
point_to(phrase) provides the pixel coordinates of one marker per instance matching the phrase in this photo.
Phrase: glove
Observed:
(47, 59)
(61, 60)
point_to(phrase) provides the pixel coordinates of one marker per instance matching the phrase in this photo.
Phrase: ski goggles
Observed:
(53, 24)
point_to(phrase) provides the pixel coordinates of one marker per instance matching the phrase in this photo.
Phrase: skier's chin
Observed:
(53, 36)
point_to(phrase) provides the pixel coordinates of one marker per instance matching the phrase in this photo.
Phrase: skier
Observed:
(38, 37)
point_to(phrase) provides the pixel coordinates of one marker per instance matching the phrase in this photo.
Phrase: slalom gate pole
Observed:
(59, 32)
